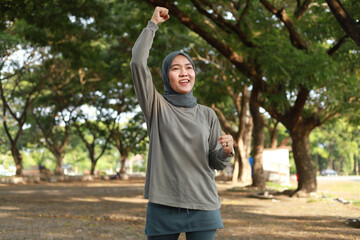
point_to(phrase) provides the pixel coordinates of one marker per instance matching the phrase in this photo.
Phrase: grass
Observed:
(356, 203)
(278, 187)
(327, 190)
(344, 190)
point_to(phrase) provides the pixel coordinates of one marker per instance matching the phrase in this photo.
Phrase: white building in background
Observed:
(276, 165)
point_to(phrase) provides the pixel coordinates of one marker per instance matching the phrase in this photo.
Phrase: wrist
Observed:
(154, 21)
(230, 154)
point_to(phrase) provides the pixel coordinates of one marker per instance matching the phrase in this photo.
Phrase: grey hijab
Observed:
(176, 99)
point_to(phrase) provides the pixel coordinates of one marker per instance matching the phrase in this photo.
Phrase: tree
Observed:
(96, 137)
(95, 123)
(290, 62)
(51, 109)
(258, 119)
(17, 91)
(241, 131)
(130, 138)
(51, 27)
(88, 51)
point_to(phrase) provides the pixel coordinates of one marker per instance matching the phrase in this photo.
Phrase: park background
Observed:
(279, 74)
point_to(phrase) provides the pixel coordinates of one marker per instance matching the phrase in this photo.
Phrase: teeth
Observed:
(184, 81)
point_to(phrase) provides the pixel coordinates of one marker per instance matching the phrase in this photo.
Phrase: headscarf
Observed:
(177, 99)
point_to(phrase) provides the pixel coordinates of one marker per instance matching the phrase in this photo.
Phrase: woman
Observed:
(186, 146)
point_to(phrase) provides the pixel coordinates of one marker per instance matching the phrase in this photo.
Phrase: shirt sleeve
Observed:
(218, 159)
(144, 88)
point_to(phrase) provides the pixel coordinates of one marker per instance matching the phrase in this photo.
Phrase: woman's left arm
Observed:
(221, 147)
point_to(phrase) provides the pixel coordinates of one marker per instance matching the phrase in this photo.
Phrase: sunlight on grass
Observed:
(345, 190)
(278, 187)
(356, 203)
(321, 199)
(348, 191)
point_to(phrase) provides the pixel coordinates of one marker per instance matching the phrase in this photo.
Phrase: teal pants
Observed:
(208, 235)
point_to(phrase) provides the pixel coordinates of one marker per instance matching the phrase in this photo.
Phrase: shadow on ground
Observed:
(116, 210)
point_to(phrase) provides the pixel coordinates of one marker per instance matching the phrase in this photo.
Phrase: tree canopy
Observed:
(65, 71)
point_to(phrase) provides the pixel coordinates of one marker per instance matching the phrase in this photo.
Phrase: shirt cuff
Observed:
(225, 156)
(153, 26)
(232, 153)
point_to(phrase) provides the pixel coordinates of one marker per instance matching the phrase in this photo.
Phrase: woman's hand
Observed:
(160, 15)
(227, 144)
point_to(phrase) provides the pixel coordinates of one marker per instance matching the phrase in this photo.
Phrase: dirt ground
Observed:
(115, 210)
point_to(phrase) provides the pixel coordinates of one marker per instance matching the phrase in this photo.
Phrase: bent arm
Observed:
(218, 159)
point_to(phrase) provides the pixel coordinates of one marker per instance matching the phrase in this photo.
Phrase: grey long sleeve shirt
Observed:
(184, 150)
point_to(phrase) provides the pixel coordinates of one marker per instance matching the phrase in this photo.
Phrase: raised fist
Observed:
(160, 15)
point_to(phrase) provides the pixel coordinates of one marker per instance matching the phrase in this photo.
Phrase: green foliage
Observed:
(77, 155)
(83, 54)
(336, 145)
(131, 135)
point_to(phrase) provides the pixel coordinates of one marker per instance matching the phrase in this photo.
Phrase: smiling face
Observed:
(181, 75)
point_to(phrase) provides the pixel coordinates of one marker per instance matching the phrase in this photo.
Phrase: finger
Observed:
(225, 139)
(164, 12)
(225, 136)
(164, 16)
(226, 144)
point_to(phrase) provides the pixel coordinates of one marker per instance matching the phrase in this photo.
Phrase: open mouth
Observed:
(185, 81)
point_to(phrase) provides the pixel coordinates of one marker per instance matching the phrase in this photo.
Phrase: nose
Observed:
(183, 72)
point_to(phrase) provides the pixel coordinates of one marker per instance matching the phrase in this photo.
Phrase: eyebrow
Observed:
(179, 64)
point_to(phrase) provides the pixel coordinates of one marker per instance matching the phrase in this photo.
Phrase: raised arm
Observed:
(142, 79)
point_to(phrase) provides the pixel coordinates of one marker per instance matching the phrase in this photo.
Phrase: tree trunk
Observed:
(285, 142)
(248, 136)
(242, 139)
(356, 167)
(236, 169)
(18, 160)
(305, 166)
(59, 171)
(123, 160)
(93, 164)
(341, 163)
(274, 139)
(258, 145)
(244, 164)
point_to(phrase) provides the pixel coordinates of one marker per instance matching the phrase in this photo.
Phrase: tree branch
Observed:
(217, 18)
(336, 47)
(298, 107)
(351, 28)
(4, 114)
(295, 38)
(221, 46)
(244, 12)
(224, 123)
(301, 10)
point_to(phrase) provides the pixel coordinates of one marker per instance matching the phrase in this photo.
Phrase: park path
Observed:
(115, 210)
